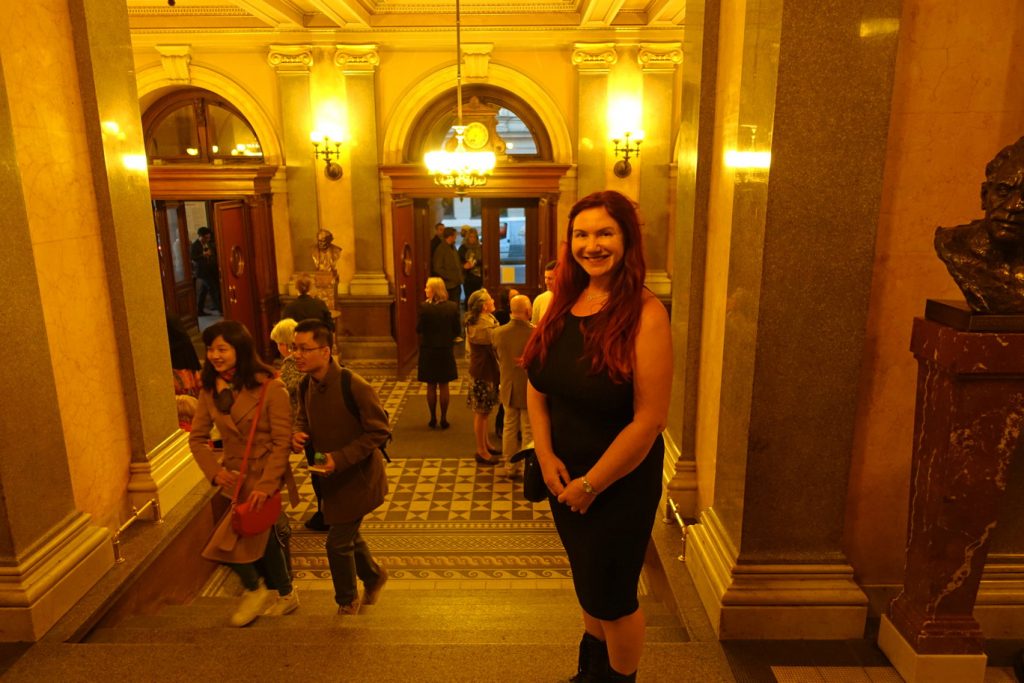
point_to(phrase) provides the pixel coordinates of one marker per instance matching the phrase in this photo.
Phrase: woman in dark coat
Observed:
(438, 327)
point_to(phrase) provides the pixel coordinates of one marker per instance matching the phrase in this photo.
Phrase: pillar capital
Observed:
(476, 59)
(594, 57)
(356, 59)
(659, 56)
(294, 58)
(176, 60)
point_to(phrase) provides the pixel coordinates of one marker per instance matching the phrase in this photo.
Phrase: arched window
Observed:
(198, 126)
(514, 120)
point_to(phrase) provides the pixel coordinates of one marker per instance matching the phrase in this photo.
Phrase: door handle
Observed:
(401, 294)
(232, 294)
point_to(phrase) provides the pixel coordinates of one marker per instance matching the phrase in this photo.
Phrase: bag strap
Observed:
(353, 406)
(248, 444)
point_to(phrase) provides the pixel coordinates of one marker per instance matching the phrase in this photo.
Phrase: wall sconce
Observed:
(328, 150)
(622, 167)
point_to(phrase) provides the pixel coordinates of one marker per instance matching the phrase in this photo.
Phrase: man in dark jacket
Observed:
(448, 266)
(354, 481)
(203, 254)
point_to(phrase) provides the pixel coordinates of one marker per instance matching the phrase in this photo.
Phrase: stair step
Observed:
(348, 630)
(367, 663)
(495, 620)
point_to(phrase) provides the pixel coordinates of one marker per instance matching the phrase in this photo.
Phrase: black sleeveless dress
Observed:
(606, 546)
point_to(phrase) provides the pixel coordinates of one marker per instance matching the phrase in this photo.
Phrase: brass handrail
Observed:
(673, 516)
(136, 515)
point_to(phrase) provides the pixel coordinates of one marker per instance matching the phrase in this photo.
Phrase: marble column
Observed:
(691, 168)
(793, 279)
(593, 62)
(659, 63)
(970, 405)
(162, 465)
(292, 64)
(366, 308)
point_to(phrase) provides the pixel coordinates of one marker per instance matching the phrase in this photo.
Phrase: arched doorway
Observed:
(207, 173)
(515, 212)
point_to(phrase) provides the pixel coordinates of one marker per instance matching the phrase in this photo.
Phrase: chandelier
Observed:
(459, 169)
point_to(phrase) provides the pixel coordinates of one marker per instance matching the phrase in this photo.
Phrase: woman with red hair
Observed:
(600, 368)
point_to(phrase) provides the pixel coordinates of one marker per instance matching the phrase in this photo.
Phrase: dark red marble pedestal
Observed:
(970, 408)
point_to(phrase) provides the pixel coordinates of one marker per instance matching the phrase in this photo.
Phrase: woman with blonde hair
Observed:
(483, 368)
(438, 326)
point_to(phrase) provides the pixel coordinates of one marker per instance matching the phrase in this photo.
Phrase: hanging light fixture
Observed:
(459, 169)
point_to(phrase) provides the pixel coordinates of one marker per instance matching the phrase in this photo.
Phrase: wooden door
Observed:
(172, 243)
(235, 256)
(406, 285)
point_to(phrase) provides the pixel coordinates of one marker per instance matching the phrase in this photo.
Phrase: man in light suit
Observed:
(509, 341)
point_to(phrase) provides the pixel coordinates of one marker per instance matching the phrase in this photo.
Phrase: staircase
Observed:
(412, 634)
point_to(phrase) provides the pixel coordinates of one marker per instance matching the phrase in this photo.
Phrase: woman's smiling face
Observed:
(221, 355)
(597, 243)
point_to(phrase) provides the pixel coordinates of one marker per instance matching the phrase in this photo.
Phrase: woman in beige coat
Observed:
(233, 379)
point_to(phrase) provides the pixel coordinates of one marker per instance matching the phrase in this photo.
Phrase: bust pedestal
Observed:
(325, 287)
(969, 412)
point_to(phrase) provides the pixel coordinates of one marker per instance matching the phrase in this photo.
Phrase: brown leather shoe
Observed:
(371, 593)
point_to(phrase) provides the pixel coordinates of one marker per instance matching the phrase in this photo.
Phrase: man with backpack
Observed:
(341, 414)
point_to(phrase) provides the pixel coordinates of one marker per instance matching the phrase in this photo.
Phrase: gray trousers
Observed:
(349, 558)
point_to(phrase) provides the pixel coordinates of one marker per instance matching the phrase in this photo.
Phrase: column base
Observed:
(915, 667)
(369, 284)
(659, 282)
(999, 608)
(680, 479)
(783, 601)
(168, 474)
(43, 586)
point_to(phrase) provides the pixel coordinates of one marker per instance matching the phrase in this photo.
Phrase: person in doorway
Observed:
(435, 242)
(600, 371)
(446, 265)
(542, 300)
(235, 383)
(472, 258)
(438, 326)
(203, 254)
(509, 341)
(305, 306)
(354, 481)
(483, 369)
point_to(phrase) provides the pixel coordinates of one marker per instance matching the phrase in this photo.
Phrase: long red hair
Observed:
(609, 335)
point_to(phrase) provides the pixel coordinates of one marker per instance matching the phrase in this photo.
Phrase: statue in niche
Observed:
(986, 257)
(325, 258)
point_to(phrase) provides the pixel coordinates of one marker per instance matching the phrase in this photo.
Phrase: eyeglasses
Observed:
(302, 349)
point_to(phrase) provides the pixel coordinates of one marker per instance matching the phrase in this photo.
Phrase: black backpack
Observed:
(353, 407)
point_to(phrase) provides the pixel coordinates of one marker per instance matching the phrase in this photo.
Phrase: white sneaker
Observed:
(510, 471)
(253, 604)
(284, 604)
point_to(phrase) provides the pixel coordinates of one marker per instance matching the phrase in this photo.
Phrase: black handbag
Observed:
(534, 488)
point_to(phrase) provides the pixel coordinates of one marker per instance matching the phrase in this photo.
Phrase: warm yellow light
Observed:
(134, 162)
(192, 151)
(215, 149)
(747, 160)
(460, 169)
(870, 28)
(625, 116)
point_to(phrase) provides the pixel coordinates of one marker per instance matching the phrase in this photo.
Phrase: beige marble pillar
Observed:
(359, 65)
(292, 64)
(659, 63)
(691, 167)
(767, 557)
(593, 62)
(161, 464)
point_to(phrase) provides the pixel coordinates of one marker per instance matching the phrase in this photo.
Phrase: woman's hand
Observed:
(226, 479)
(299, 441)
(256, 499)
(575, 497)
(556, 476)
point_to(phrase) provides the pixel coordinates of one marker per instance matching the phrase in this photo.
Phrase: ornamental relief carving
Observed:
(290, 56)
(659, 56)
(594, 56)
(356, 58)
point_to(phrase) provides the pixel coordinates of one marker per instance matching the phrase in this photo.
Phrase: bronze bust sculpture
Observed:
(986, 257)
(326, 253)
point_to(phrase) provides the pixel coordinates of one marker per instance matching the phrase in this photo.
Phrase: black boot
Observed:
(593, 660)
(613, 676)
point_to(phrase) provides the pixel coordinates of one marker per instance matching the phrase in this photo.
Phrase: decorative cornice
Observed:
(595, 57)
(290, 57)
(476, 58)
(356, 59)
(660, 56)
(192, 11)
(176, 60)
